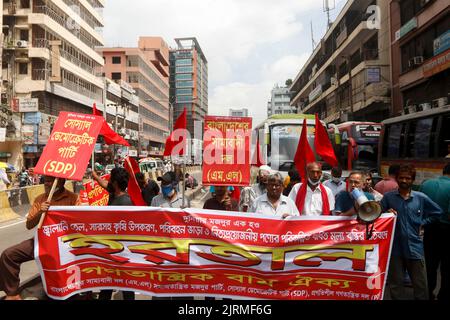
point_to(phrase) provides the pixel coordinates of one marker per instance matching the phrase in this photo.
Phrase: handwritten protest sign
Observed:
(205, 253)
(226, 156)
(70, 146)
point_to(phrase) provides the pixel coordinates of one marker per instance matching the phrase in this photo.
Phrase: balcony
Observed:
(83, 13)
(44, 43)
(63, 21)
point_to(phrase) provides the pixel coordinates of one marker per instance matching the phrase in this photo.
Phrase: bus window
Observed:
(444, 138)
(410, 140)
(422, 138)
(394, 140)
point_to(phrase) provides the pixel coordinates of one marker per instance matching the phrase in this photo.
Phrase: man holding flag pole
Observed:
(176, 145)
(311, 197)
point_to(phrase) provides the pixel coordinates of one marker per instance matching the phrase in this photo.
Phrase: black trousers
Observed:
(107, 295)
(437, 253)
(432, 248)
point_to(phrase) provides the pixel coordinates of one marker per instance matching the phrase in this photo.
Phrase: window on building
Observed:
(23, 68)
(25, 4)
(116, 60)
(444, 139)
(116, 76)
(24, 35)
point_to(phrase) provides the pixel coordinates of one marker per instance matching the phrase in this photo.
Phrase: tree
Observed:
(288, 82)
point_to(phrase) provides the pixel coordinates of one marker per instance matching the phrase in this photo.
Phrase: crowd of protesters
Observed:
(422, 229)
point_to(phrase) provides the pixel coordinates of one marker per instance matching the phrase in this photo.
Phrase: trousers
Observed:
(10, 261)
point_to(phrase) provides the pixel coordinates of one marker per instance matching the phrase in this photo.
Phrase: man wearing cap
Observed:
(249, 194)
(169, 197)
(346, 204)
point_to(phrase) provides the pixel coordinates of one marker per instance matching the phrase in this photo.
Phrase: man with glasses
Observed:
(274, 203)
(346, 205)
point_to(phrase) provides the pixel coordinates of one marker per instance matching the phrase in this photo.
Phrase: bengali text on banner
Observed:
(226, 155)
(206, 253)
(70, 146)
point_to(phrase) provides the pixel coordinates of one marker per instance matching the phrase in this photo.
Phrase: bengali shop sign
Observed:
(70, 146)
(226, 156)
(97, 196)
(171, 252)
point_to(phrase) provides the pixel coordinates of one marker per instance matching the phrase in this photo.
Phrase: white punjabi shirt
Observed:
(262, 205)
(313, 201)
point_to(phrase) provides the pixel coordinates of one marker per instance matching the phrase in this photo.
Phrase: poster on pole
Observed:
(97, 196)
(173, 252)
(70, 146)
(226, 154)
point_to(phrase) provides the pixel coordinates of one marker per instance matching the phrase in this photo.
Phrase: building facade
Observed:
(238, 112)
(189, 81)
(122, 115)
(146, 69)
(49, 65)
(348, 75)
(280, 102)
(420, 55)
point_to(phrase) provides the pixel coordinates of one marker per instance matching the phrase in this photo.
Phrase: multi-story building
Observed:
(122, 115)
(49, 63)
(238, 112)
(280, 102)
(420, 54)
(348, 76)
(146, 69)
(189, 81)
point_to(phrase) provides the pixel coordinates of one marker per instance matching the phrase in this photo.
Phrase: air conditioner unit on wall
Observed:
(440, 102)
(22, 44)
(416, 61)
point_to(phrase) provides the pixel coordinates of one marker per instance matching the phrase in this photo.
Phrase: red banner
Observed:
(97, 196)
(70, 146)
(226, 155)
(205, 253)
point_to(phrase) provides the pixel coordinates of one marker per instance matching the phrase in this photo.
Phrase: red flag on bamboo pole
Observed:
(134, 191)
(110, 136)
(175, 139)
(323, 144)
(304, 154)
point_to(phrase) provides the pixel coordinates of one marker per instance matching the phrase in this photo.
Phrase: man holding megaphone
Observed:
(348, 202)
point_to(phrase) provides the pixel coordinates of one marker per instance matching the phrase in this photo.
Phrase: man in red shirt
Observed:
(389, 183)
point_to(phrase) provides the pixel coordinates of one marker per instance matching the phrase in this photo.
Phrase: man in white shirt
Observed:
(313, 199)
(249, 194)
(335, 184)
(4, 181)
(274, 203)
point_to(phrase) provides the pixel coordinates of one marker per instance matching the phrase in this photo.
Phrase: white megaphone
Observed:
(369, 211)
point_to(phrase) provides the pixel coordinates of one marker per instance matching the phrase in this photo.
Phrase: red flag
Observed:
(134, 190)
(171, 143)
(95, 111)
(323, 144)
(304, 154)
(108, 134)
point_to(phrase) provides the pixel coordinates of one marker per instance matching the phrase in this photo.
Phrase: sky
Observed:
(250, 45)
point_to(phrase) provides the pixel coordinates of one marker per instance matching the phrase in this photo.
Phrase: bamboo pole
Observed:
(49, 199)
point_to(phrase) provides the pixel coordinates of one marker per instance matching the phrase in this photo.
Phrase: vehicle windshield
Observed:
(284, 143)
(366, 131)
(367, 157)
